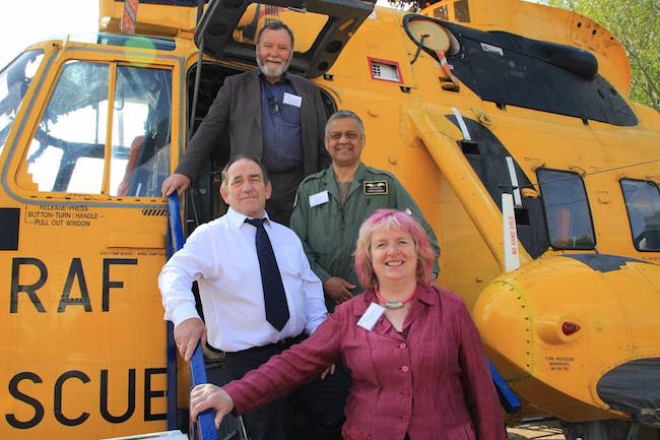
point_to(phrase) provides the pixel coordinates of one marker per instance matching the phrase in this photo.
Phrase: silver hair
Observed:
(343, 114)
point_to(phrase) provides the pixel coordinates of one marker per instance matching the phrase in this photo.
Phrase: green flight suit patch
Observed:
(375, 187)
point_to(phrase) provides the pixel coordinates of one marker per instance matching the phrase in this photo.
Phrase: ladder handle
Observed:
(175, 221)
(206, 419)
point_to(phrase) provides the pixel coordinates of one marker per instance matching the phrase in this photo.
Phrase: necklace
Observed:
(393, 304)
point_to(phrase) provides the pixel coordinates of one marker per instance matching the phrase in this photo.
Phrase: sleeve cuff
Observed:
(314, 324)
(322, 274)
(233, 389)
(182, 313)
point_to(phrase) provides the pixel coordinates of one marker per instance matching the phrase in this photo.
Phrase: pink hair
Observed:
(392, 219)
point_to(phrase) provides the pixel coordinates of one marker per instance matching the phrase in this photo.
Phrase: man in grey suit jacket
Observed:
(268, 113)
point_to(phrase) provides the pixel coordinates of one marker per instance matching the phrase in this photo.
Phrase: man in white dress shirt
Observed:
(221, 256)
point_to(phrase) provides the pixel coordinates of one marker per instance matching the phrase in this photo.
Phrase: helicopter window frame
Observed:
(579, 208)
(92, 169)
(636, 214)
(46, 164)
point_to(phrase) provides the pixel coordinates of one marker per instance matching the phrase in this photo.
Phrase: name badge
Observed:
(371, 316)
(375, 187)
(318, 199)
(293, 100)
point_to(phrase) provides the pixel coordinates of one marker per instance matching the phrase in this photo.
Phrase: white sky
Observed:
(28, 21)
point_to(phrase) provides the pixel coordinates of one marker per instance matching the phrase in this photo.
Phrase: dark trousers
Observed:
(322, 401)
(285, 186)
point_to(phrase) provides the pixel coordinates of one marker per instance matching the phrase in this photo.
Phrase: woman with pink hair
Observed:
(417, 365)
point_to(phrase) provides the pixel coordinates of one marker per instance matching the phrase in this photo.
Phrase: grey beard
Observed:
(263, 69)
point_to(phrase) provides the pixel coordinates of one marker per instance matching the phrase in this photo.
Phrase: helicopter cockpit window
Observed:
(643, 205)
(14, 82)
(68, 152)
(257, 15)
(567, 211)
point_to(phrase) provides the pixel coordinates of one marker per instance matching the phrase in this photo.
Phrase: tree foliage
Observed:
(636, 23)
(409, 5)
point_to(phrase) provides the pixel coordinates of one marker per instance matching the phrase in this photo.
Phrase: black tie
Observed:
(277, 311)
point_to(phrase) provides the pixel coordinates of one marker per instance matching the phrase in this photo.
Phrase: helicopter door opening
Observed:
(89, 249)
(204, 202)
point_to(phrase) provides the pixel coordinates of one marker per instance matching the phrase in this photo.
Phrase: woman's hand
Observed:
(206, 396)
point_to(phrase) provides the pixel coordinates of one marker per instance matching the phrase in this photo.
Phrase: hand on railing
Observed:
(205, 424)
(206, 429)
(208, 396)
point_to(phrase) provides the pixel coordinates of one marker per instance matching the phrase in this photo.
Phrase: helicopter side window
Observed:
(567, 210)
(69, 154)
(643, 205)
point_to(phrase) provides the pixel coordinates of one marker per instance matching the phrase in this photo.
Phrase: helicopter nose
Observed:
(554, 327)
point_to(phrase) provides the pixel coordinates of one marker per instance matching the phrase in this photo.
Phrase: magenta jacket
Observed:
(430, 381)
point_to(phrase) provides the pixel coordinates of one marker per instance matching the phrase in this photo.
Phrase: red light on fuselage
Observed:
(568, 328)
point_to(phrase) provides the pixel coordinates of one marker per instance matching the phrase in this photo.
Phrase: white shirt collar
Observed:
(236, 219)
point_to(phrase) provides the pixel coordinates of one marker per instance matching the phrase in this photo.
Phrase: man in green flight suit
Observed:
(332, 204)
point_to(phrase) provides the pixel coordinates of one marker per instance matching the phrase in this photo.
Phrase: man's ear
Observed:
(269, 190)
(223, 193)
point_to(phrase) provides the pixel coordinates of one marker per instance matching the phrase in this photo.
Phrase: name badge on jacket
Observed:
(293, 100)
(318, 199)
(371, 316)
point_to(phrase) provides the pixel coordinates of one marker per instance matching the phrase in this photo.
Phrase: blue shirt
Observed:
(281, 127)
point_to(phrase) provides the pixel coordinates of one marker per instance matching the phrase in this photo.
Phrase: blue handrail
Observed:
(508, 399)
(205, 421)
(176, 227)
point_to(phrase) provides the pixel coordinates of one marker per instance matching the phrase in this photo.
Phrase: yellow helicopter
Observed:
(507, 121)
